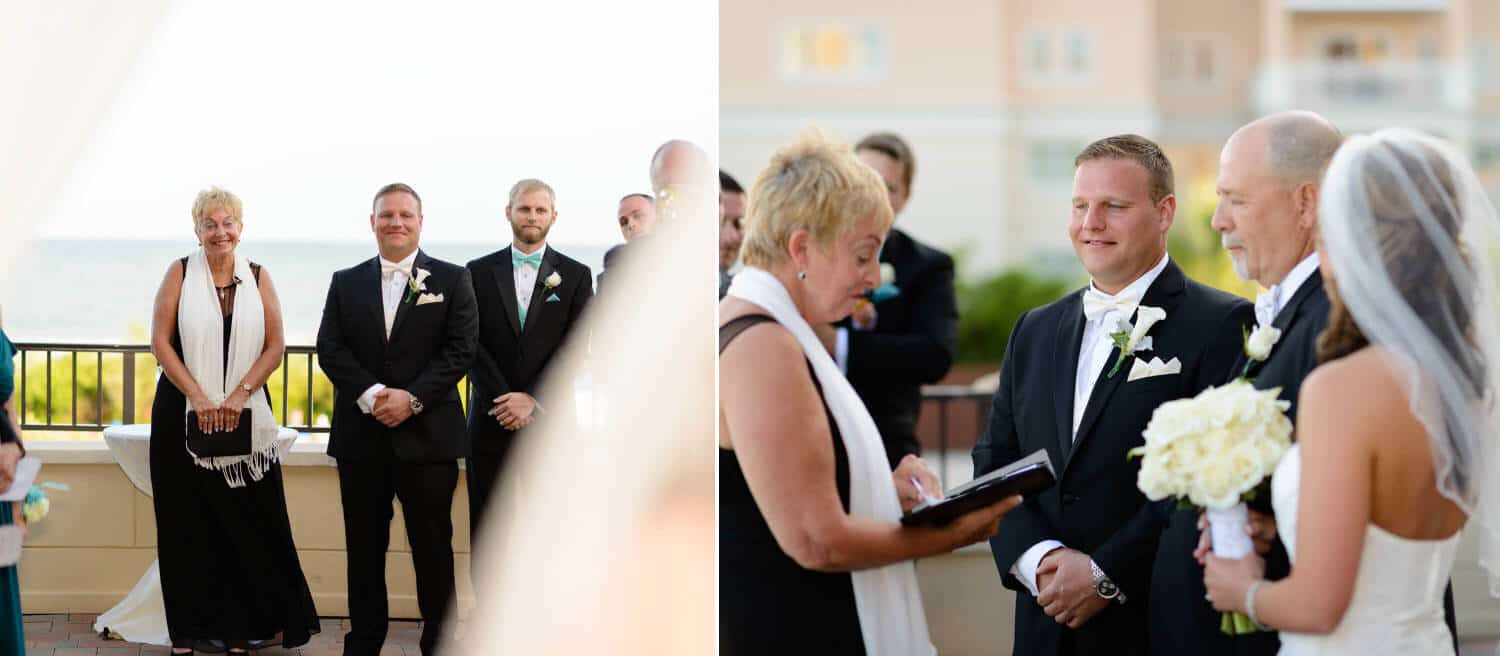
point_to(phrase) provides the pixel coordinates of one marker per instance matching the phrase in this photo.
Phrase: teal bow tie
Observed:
(517, 259)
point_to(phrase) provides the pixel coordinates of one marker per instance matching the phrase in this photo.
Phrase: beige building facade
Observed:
(997, 96)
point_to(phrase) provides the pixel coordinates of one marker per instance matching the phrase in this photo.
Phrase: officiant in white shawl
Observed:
(812, 557)
(229, 569)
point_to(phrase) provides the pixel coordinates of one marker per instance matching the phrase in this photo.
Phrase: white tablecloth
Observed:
(140, 617)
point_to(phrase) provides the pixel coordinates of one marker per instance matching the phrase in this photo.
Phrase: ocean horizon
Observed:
(102, 291)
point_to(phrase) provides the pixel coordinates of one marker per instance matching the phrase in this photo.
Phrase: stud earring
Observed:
(802, 275)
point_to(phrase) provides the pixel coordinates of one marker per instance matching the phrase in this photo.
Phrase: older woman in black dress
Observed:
(229, 569)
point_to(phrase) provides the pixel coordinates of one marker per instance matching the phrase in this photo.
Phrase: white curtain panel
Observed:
(61, 64)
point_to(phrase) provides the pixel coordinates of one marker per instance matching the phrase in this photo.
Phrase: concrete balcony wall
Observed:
(101, 535)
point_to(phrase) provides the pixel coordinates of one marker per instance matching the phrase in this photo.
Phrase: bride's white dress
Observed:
(1398, 595)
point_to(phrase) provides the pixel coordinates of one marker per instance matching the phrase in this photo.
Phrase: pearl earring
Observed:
(802, 275)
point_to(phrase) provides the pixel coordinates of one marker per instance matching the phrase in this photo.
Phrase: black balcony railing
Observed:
(89, 387)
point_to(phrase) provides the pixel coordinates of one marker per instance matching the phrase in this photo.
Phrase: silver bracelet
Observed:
(1250, 604)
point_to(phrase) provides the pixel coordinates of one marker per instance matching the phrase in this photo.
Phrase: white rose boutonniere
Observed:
(1132, 339)
(552, 280)
(1258, 344)
(417, 284)
(887, 274)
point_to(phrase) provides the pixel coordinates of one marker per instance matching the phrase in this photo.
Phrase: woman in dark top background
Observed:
(812, 557)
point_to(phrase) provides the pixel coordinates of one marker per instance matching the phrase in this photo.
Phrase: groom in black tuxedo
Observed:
(530, 298)
(1269, 172)
(1079, 554)
(397, 335)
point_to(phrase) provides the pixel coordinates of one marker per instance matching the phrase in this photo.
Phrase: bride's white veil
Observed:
(1408, 228)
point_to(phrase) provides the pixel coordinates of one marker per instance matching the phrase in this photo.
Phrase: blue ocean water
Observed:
(101, 291)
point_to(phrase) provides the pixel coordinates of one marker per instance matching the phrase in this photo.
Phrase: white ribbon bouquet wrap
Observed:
(1212, 451)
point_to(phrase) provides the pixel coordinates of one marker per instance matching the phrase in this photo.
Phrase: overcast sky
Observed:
(303, 109)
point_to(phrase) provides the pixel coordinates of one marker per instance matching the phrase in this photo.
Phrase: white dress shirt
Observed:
(392, 291)
(1093, 356)
(1270, 303)
(525, 277)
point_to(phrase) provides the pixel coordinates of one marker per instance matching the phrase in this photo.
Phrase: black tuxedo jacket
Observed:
(912, 344)
(430, 347)
(1096, 507)
(512, 358)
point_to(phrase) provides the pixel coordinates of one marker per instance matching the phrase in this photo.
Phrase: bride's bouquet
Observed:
(1212, 451)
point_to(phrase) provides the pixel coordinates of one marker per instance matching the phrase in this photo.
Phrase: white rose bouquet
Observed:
(1212, 451)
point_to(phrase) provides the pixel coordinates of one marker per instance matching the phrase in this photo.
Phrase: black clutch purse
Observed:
(220, 444)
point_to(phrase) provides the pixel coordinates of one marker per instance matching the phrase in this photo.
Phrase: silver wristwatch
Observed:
(245, 387)
(416, 406)
(1105, 588)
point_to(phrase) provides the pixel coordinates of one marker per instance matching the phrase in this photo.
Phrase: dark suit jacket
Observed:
(430, 348)
(511, 358)
(1096, 507)
(912, 344)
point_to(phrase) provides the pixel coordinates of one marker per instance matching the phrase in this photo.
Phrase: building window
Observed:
(1051, 161)
(1078, 54)
(1485, 63)
(1486, 155)
(1203, 62)
(1193, 61)
(831, 52)
(1038, 51)
(1171, 60)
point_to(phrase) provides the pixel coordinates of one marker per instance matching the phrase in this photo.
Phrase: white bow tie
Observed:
(1096, 304)
(388, 268)
(1265, 306)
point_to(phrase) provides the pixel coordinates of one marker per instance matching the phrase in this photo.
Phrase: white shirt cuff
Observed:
(841, 350)
(1025, 567)
(366, 401)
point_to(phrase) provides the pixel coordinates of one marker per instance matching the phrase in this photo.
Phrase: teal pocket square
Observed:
(552, 298)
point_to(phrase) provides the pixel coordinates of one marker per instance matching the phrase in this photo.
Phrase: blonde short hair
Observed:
(213, 199)
(814, 183)
(529, 185)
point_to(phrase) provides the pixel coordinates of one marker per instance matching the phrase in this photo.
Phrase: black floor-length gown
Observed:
(229, 568)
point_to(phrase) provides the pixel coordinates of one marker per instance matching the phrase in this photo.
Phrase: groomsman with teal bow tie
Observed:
(530, 297)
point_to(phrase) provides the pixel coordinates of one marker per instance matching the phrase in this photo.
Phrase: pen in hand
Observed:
(926, 498)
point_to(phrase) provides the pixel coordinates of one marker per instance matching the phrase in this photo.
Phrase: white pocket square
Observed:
(1143, 369)
(429, 298)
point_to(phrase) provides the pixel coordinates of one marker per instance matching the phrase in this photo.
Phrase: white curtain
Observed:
(61, 65)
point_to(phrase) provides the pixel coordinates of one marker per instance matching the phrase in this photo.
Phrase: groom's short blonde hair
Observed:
(529, 185)
(814, 183)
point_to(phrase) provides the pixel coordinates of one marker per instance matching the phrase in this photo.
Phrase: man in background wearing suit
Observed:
(397, 335)
(1079, 554)
(530, 297)
(906, 334)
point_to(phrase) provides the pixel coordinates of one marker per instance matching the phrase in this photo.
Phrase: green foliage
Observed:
(989, 306)
(1196, 248)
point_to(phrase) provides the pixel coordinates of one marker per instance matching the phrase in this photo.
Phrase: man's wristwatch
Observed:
(1105, 588)
(416, 406)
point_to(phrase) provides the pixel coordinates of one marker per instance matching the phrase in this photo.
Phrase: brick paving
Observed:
(74, 635)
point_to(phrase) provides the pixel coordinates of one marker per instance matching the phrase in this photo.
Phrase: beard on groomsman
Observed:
(530, 297)
(1079, 554)
(397, 335)
(906, 335)
(1268, 184)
